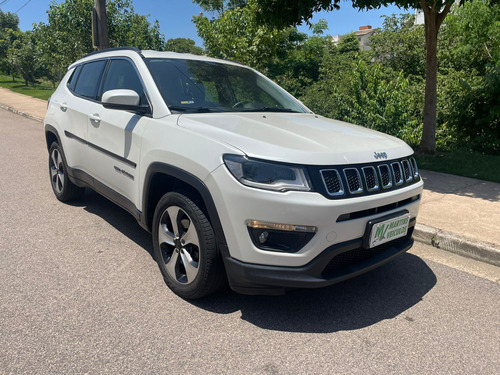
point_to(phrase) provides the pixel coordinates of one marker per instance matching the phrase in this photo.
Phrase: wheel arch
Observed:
(162, 178)
(51, 136)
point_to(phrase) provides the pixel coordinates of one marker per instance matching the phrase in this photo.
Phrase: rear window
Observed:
(74, 76)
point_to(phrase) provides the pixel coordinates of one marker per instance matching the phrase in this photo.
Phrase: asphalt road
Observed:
(81, 294)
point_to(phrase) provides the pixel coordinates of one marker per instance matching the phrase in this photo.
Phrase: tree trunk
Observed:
(428, 142)
(433, 20)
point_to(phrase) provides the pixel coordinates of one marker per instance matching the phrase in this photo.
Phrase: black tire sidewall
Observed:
(69, 191)
(203, 284)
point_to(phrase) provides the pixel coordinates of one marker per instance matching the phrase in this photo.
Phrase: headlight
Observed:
(267, 175)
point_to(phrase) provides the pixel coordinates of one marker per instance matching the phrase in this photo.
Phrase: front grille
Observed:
(346, 181)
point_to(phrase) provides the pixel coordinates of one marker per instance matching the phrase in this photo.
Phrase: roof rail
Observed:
(115, 49)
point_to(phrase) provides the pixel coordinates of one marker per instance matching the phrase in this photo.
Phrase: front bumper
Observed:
(335, 264)
(237, 204)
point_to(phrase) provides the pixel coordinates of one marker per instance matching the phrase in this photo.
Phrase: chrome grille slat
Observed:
(414, 166)
(371, 179)
(332, 181)
(353, 179)
(385, 176)
(397, 173)
(408, 175)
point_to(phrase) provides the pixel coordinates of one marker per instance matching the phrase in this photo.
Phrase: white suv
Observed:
(235, 178)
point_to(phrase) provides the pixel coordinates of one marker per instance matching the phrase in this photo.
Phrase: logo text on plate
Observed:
(380, 155)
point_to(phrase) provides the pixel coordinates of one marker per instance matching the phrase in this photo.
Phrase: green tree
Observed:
(220, 6)
(400, 44)
(9, 25)
(183, 45)
(127, 28)
(353, 89)
(471, 38)
(25, 57)
(349, 44)
(297, 64)
(292, 12)
(67, 35)
(469, 74)
(236, 35)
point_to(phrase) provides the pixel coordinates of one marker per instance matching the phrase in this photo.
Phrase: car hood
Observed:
(295, 137)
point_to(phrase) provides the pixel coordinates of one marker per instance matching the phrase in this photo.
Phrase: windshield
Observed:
(205, 86)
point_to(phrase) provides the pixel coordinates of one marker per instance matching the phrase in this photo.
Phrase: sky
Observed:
(175, 16)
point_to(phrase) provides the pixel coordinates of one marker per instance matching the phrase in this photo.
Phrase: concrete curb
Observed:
(21, 113)
(464, 246)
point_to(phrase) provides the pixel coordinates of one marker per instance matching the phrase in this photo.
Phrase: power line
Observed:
(3, 2)
(26, 3)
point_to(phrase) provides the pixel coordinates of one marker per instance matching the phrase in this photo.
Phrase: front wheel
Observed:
(63, 188)
(185, 247)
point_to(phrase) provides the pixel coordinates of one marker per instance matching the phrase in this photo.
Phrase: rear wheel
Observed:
(63, 188)
(185, 247)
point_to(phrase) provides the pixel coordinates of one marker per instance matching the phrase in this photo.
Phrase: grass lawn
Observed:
(40, 91)
(482, 167)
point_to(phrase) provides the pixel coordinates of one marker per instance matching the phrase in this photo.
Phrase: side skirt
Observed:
(83, 179)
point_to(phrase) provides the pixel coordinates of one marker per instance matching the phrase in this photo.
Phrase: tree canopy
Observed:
(293, 12)
(66, 36)
(183, 45)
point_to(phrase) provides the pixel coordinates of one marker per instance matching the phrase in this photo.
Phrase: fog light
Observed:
(280, 237)
(263, 237)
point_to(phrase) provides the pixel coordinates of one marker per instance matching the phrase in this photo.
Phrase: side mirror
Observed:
(123, 99)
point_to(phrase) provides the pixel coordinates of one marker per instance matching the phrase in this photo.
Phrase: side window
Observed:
(122, 75)
(74, 76)
(89, 78)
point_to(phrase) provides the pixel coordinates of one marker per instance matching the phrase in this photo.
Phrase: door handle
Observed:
(63, 107)
(95, 117)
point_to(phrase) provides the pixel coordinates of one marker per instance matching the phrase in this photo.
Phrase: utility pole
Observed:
(100, 37)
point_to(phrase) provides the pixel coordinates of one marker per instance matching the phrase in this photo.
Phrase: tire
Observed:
(63, 188)
(185, 248)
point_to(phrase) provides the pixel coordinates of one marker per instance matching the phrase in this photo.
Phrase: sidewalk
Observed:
(457, 214)
(23, 105)
(461, 215)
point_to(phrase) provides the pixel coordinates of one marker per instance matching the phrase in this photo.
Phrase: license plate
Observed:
(389, 230)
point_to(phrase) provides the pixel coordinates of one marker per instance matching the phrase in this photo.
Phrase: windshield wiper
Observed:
(181, 108)
(270, 109)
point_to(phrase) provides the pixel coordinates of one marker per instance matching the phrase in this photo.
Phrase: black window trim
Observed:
(100, 79)
(104, 73)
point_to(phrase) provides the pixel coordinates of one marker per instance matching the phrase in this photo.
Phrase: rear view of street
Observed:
(80, 293)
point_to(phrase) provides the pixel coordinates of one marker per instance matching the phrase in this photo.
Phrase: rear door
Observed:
(75, 108)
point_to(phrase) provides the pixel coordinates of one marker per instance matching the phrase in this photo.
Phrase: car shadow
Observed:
(383, 293)
(117, 217)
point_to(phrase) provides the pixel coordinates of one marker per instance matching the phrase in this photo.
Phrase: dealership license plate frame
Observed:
(372, 226)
